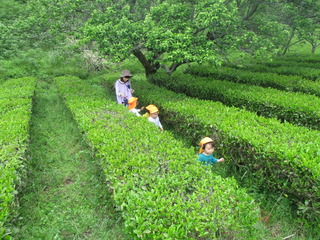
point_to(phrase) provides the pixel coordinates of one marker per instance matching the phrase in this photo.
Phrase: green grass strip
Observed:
(15, 112)
(264, 79)
(164, 192)
(297, 108)
(277, 157)
(65, 195)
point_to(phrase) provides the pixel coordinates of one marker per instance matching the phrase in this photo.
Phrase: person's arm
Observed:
(116, 86)
(221, 160)
(159, 124)
(128, 84)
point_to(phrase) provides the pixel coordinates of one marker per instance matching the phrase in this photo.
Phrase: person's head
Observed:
(125, 76)
(207, 146)
(152, 110)
(133, 102)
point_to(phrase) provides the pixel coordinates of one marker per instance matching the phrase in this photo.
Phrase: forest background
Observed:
(160, 34)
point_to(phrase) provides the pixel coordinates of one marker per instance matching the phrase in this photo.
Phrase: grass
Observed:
(65, 196)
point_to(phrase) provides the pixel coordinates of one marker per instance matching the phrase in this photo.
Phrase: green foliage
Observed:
(298, 108)
(64, 195)
(16, 101)
(280, 156)
(170, 33)
(44, 64)
(305, 60)
(304, 72)
(264, 79)
(161, 188)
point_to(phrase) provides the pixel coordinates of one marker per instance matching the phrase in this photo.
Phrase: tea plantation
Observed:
(266, 126)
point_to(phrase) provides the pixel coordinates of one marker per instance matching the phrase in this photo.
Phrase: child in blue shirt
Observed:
(206, 152)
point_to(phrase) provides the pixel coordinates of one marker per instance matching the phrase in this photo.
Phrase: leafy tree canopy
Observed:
(170, 33)
(160, 33)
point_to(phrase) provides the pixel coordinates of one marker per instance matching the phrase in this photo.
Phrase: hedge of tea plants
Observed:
(162, 190)
(276, 156)
(313, 59)
(15, 112)
(305, 72)
(280, 63)
(264, 79)
(301, 109)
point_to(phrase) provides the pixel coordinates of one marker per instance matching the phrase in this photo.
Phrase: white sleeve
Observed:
(159, 123)
(116, 86)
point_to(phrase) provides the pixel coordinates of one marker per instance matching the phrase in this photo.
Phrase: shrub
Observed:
(264, 79)
(297, 108)
(163, 191)
(16, 102)
(276, 156)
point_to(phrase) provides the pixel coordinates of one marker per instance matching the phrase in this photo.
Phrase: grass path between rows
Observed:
(65, 196)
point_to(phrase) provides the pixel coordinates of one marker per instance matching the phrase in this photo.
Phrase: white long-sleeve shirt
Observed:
(135, 111)
(156, 121)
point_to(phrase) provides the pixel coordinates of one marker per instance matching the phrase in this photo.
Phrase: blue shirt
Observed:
(207, 160)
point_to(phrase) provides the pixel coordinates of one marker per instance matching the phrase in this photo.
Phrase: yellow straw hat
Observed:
(132, 102)
(203, 142)
(152, 108)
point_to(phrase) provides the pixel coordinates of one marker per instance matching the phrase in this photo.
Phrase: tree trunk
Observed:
(148, 66)
(313, 48)
(172, 68)
(286, 48)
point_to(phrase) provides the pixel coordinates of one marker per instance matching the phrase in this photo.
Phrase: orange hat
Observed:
(203, 142)
(152, 108)
(132, 102)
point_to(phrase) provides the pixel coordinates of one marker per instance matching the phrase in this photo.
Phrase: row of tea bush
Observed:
(302, 71)
(15, 111)
(301, 109)
(300, 58)
(264, 79)
(158, 184)
(277, 156)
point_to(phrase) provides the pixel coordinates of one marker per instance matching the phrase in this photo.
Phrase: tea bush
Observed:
(298, 108)
(163, 191)
(305, 72)
(264, 79)
(15, 112)
(275, 156)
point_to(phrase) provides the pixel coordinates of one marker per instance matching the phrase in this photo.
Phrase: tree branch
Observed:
(173, 67)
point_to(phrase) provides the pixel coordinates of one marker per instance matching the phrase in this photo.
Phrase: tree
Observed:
(302, 20)
(169, 33)
(308, 30)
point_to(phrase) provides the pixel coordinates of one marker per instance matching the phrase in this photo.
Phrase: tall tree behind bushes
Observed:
(41, 23)
(10, 11)
(170, 33)
(302, 20)
(160, 33)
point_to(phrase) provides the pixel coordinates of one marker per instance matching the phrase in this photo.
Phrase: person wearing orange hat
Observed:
(133, 102)
(206, 152)
(154, 115)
